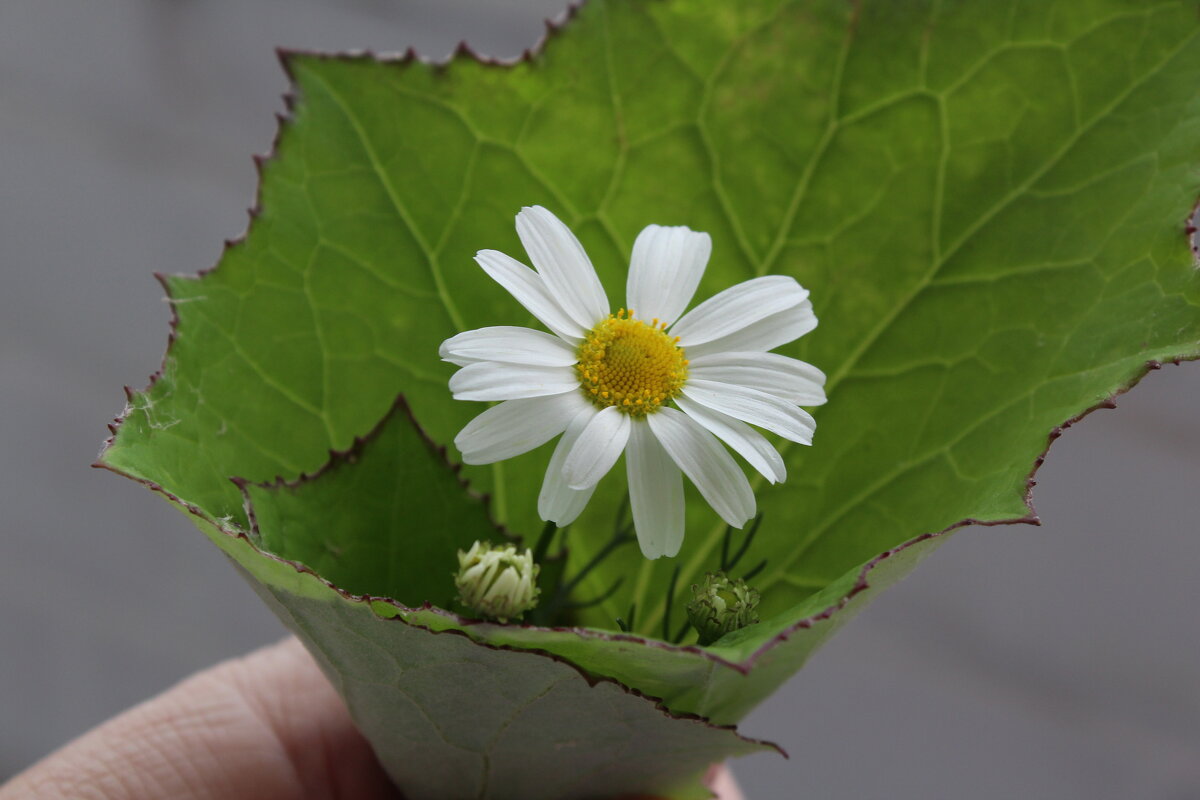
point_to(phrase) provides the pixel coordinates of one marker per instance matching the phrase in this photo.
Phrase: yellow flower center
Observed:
(627, 363)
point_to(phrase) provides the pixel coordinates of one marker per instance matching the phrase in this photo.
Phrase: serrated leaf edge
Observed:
(285, 56)
(339, 459)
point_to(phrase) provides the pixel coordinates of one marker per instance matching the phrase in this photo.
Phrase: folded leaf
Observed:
(987, 202)
(450, 718)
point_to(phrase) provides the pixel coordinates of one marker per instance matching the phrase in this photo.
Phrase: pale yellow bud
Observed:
(497, 582)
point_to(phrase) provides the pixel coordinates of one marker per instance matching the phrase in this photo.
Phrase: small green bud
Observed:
(497, 582)
(721, 605)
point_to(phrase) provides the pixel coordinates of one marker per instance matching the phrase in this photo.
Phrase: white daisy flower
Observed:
(649, 381)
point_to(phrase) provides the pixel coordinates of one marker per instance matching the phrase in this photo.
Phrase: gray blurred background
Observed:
(1019, 662)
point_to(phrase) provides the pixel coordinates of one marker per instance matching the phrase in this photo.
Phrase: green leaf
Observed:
(355, 524)
(987, 201)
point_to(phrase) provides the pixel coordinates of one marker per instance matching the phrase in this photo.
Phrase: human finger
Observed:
(266, 726)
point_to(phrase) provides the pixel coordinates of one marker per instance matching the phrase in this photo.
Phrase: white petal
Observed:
(517, 426)
(562, 263)
(558, 502)
(745, 441)
(486, 380)
(737, 307)
(528, 288)
(508, 345)
(706, 463)
(655, 493)
(788, 378)
(766, 334)
(757, 408)
(665, 270)
(597, 448)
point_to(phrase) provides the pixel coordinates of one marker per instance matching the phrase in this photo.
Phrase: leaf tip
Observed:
(285, 56)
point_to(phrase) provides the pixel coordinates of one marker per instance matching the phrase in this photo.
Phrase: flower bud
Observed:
(721, 605)
(497, 582)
